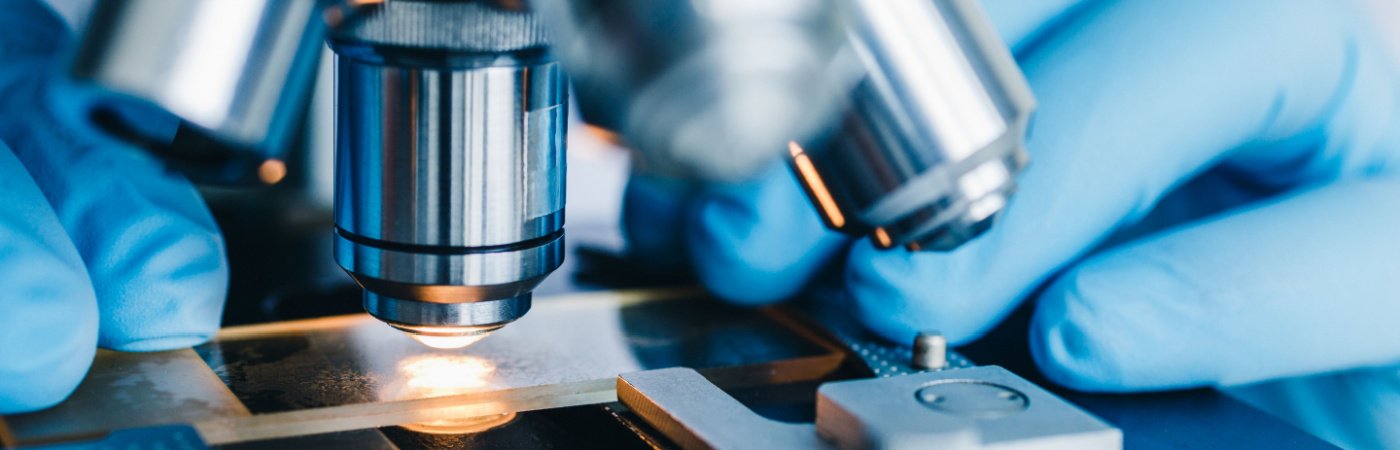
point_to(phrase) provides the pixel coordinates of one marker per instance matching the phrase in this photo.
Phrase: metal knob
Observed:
(930, 351)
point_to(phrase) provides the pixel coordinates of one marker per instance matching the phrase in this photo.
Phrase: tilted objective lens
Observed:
(933, 136)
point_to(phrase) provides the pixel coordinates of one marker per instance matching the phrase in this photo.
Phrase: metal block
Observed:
(1002, 411)
(692, 412)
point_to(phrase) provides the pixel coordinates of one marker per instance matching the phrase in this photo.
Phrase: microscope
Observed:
(904, 120)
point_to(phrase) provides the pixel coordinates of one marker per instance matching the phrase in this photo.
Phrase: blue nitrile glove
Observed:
(100, 245)
(1213, 193)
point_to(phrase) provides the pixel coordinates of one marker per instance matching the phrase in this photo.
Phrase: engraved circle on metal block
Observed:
(474, 314)
(972, 399)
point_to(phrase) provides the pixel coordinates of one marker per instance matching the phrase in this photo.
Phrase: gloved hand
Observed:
(100, 245)
(1213, 197)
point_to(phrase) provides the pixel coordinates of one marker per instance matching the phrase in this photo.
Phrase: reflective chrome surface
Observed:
(934, 135)
(449, 203)
(237, 72)
(713, 89)
(460, 158)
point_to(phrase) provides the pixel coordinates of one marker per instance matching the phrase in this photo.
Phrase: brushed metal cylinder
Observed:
(930, 351)
(927, 153)
(237, 74)
(449, 201)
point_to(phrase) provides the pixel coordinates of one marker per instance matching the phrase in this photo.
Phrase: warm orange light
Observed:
(808, 172)
(466, 425)
(604, 135)
(272, 171)
(883, 238)
(438, 375)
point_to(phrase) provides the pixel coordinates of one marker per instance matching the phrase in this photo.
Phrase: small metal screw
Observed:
(930, 351)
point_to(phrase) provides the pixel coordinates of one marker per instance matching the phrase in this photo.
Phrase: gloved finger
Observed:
(1298, 285)
(151, 248)
(1136, 97)
(48, 312)
(761, 241)
(1021, 23)
(654, 210)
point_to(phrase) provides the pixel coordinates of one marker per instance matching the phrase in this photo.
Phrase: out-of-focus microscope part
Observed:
(236, 74)
(451, 117)
(704, 89)
(450, 130)
(927, 152)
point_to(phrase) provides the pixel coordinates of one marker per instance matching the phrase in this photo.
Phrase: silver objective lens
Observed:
(927, 152)
(450, 132)
(237, 74)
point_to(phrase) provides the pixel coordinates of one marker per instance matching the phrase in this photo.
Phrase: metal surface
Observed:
(449, 204)
(1000, 409)
(930, 351)
(695, 414)
(984, 407)
(933, 136)
(236, 72)
(703, 88)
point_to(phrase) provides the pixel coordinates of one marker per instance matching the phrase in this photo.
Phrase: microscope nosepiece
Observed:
(450, 127)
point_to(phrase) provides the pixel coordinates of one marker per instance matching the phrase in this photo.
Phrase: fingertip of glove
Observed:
(44, 356)
(26, 394)
(760, 242)
(166, 291)
(1084, 334)
(899, 294)
(731, 262)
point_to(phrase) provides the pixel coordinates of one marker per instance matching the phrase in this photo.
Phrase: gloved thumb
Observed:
(48, 311)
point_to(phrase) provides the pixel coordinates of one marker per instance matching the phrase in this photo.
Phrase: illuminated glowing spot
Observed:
(446, 374)
(428, 376)
(882, 238)
(272, 171)
(448, 342)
